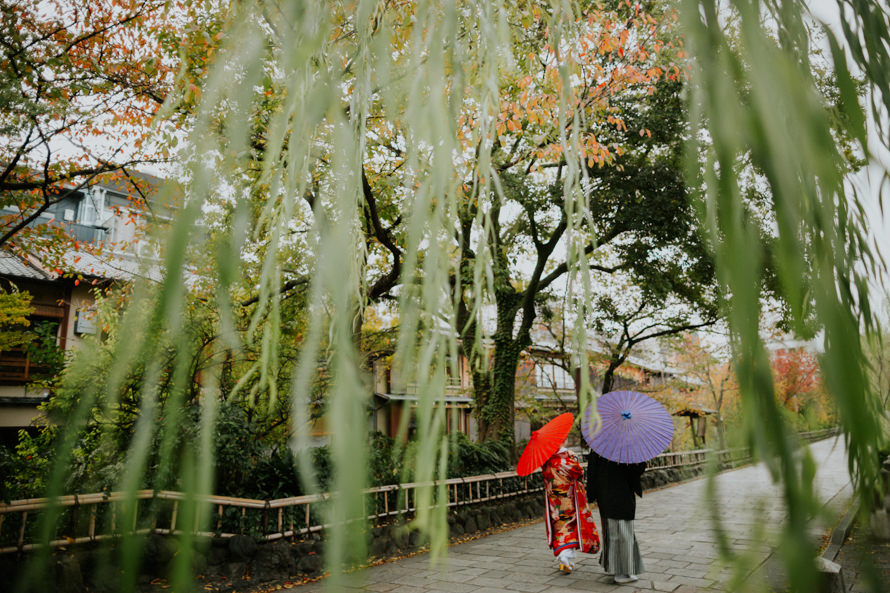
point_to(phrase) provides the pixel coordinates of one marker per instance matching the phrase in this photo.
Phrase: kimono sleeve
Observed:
(634, 472)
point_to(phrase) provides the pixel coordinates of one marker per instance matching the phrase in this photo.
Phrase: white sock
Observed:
(567, 557)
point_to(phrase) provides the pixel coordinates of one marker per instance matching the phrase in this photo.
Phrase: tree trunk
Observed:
(481, 396)
(499, 411)
(494, 384)
(608, 379)
(609, 375)
(721, 431)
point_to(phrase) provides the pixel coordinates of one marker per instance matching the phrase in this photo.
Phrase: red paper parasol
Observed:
(543, 443)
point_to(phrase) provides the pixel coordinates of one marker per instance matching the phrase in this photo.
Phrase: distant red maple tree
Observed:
(797, 376)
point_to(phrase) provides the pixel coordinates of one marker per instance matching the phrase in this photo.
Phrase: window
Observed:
(92, 208)
(551, 376)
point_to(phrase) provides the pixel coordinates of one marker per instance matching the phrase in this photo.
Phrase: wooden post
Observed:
(22, 530)
(74, 509)
(93, 511)
(173, 517)
(266, 517)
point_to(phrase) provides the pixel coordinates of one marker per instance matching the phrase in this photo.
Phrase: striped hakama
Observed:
(621, 554)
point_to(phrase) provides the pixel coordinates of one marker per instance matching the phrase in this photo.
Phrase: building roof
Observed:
(17, 267)
(79, 262)
(111, 267)
(449, 399)
(695, 411)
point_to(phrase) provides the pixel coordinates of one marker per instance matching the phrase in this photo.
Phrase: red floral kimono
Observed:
(569, 522)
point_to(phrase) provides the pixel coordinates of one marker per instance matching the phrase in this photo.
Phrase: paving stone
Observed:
(587, 585)
(671, 563)
(455, 577)
(473, 572)
(527, 587)
(412, 579)
(453, 587)
(697, 572)
(684, 580)
(662, 555)
(497, 574)
(381, 587)
(664, 586)
(487, 582)
(561, 589)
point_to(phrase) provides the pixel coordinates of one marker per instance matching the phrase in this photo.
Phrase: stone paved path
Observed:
(675, 533)
(859, 552)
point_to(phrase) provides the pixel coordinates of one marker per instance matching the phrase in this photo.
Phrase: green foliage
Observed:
(466, 458)
(42, 347)
(23, 469)
(15, 306)
(383, 461)
(251, 464)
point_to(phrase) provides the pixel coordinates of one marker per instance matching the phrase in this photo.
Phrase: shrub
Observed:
(467, 458)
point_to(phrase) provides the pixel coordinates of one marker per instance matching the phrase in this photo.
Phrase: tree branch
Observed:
(285, 288)
(386, 282)
(590, 248)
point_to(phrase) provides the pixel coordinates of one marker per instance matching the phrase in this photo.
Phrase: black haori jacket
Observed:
(613, 486)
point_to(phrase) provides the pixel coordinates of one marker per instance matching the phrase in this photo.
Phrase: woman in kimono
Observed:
(614, 487)
(569, 523)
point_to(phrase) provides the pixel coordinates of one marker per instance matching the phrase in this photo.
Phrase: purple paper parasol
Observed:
(635, 427)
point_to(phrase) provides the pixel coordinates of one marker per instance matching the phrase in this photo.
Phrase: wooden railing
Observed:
(94, 517)
(818, 435)
(17, 368)
(699, 457)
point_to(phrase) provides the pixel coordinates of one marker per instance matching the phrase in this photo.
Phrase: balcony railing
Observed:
(17, 368)
(452, 385)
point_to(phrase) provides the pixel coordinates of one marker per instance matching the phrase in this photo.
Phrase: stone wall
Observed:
(656, 478)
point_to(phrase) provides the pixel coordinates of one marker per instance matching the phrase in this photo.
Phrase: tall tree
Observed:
(798, 386)
(79, 85)
(630, 216)
(613, 123)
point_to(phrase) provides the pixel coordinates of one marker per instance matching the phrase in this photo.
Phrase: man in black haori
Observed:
(614, 487)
